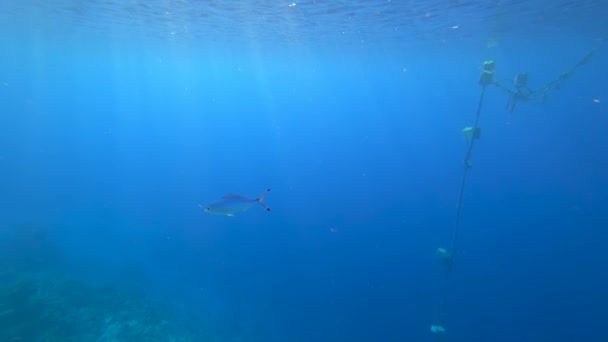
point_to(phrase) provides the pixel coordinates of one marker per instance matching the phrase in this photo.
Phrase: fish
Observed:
(231, 204)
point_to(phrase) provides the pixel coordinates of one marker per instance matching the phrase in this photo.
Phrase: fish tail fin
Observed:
(260, 199)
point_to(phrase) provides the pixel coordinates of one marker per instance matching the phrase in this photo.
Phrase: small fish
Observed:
(231, 204)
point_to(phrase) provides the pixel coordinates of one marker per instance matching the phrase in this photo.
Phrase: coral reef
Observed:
(47, 308)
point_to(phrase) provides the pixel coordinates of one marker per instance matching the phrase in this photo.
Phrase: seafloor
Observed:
(48, 308)
(40, 303)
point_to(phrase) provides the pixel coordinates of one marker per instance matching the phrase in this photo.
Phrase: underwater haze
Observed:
(122, 122)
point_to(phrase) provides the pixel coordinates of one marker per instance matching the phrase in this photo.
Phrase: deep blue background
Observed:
(114, 144)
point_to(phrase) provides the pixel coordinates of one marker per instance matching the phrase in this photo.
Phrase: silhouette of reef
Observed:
(39, 304)
(43, 308)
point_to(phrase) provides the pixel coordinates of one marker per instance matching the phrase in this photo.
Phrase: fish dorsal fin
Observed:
(232, 196)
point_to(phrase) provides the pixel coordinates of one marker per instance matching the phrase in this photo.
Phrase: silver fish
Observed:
(231, 204)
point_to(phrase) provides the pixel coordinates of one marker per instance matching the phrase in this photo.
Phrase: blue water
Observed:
(119, 117)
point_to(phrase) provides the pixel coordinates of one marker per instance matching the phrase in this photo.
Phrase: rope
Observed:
(516, 95)
(467, 167)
